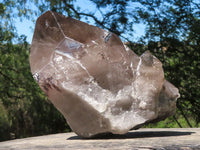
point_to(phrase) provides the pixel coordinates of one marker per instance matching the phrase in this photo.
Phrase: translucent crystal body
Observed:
(94, 80)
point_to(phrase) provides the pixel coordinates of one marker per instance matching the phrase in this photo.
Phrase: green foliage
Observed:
(23, 103)
(24, 109)
(172, 34)
(171, 122)
(4, 123)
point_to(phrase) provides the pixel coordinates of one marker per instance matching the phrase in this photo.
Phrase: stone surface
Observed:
(142, 139)
(94, 80)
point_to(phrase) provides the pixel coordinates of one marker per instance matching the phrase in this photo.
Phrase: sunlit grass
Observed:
(171, 123)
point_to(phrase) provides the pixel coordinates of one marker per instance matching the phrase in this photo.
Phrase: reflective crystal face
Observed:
(94, 80)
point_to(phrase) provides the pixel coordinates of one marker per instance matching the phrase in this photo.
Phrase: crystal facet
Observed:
(94, 80)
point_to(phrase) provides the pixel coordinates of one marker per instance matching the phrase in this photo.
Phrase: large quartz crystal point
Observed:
(94, 80)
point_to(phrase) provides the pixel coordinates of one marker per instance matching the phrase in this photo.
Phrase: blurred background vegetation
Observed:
(172, 34)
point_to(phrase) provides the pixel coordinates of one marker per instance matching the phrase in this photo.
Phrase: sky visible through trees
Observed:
(169, 29)
(26, 26)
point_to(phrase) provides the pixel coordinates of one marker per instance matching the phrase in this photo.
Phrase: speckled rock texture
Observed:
(142, 139)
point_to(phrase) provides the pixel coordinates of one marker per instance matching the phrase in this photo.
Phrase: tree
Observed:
(173, 29)
(24, 109)
(172, 34)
